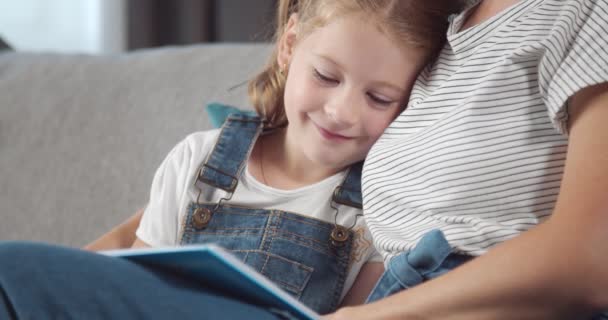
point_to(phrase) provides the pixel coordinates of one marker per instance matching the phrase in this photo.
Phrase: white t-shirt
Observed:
(480, 150)
(172, 191)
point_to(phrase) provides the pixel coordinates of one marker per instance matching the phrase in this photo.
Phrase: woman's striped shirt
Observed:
(479, 152)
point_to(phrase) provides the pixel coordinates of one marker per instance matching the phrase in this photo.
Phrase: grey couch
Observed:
(81, 135)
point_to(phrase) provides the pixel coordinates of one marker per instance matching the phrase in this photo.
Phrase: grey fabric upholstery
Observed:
(81, 136)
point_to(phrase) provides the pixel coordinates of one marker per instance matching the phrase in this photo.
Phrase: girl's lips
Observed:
(331, 135)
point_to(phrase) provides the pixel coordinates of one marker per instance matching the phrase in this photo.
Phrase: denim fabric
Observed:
(349, 193)
(228, 157)
(291, 249)
(431, 258)
(39, 282)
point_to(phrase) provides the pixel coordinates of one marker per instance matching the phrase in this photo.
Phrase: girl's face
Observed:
(346, 82)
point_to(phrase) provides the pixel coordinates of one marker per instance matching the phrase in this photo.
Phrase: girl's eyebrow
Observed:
(330, 60)
(341, 67)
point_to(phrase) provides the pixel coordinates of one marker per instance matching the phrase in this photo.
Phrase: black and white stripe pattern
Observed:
(479, 152)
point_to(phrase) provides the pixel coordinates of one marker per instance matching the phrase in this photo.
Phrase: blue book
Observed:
(219, 269)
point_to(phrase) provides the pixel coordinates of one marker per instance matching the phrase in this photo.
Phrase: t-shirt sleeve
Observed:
(372, 253)
(575, 55)
(160, 222)
(375, 256)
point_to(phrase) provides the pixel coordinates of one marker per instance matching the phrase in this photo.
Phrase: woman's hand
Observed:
(350, 313)
(373, 311)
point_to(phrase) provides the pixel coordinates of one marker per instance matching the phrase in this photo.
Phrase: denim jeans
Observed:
(39, 282)
(431, 258)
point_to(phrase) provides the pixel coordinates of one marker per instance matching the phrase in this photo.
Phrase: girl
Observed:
(282, 190)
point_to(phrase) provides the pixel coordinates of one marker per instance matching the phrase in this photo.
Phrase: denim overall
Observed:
(308, 258)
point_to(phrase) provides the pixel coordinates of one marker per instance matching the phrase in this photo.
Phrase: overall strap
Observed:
(349, 192)
(231, 151)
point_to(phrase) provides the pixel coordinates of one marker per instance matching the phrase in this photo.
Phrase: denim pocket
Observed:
(290, 275)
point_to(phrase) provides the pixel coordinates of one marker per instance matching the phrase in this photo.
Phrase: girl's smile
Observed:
(330, 135)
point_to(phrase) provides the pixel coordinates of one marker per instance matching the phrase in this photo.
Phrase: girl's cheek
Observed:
(377, 124)
(312, 97)
(296, 96)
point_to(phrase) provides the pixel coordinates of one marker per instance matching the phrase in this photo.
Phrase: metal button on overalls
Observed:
(201, 218)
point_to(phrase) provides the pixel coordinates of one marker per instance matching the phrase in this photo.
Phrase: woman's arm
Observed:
(364, 283)
(121, 236)
(555, 271)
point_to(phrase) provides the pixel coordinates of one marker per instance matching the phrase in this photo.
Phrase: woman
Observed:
(504, 149)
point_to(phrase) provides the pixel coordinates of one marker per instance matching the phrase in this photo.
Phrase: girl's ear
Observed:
(287, 42)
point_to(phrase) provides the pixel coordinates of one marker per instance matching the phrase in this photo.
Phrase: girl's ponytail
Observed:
(284, 11)
(267, 88)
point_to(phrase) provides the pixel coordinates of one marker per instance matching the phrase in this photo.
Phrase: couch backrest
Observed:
(81, 136)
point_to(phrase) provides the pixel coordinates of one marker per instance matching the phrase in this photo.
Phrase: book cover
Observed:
(220, 270)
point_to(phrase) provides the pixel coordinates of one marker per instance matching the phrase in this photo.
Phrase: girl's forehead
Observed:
(355, 22)
(359, 47)
(354, 32)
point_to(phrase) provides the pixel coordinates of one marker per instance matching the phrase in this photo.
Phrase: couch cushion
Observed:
(81, 136)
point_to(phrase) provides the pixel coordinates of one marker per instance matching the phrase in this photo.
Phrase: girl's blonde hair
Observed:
(412, 23)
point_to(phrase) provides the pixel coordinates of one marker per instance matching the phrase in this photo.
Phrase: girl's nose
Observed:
(344, 109)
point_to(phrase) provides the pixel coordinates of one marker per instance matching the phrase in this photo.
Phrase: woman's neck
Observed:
(485, 10)
(278, 164)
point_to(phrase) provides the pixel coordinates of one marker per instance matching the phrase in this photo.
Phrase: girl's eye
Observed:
(379, 100)
(323, 77)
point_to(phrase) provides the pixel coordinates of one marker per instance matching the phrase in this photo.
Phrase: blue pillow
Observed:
(218, 113)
